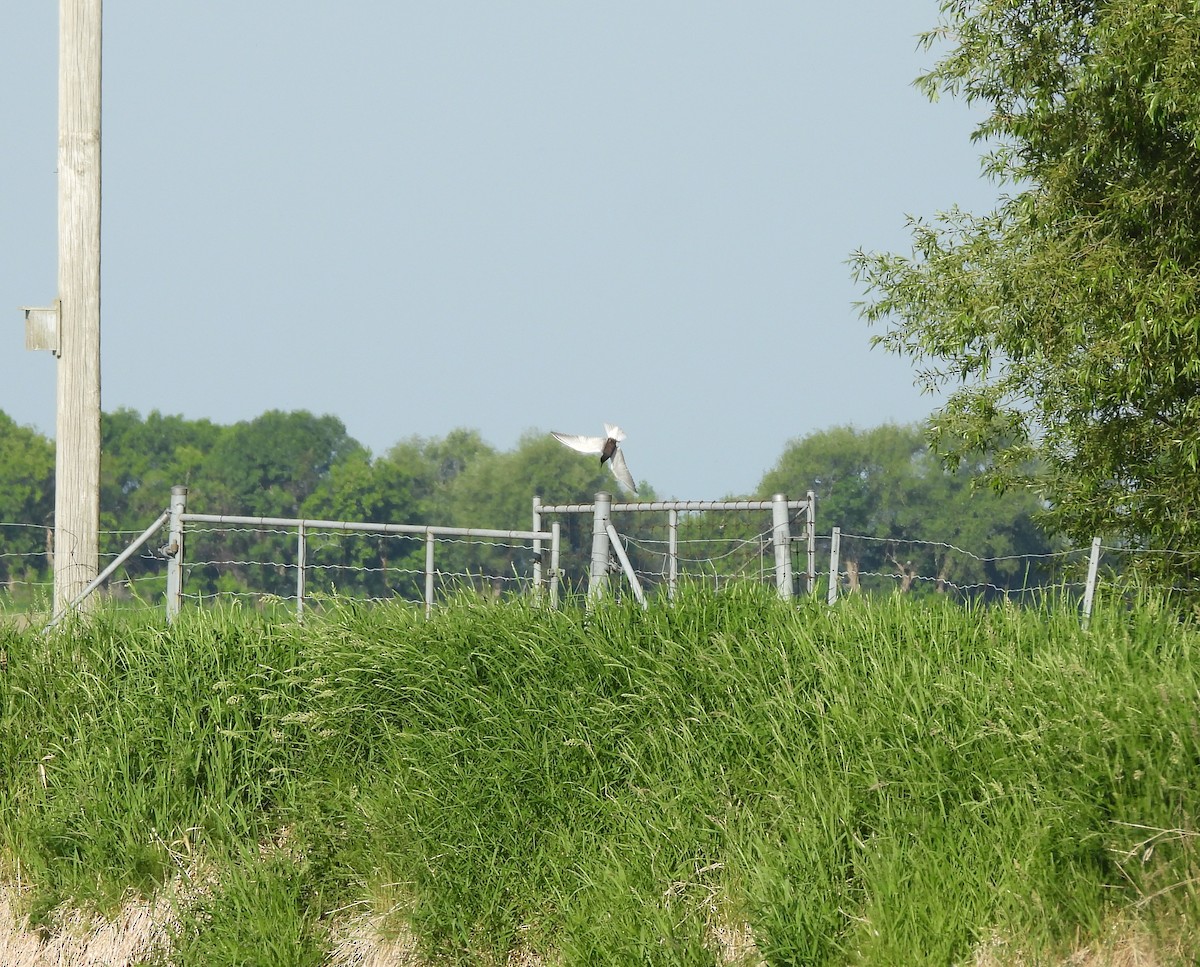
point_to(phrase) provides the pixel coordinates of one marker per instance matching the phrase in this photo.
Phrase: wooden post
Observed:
(77, 437)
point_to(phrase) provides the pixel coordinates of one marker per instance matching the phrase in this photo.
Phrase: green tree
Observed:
(142, 459)
(907, 513)
(410, 485)
(451, 454)
(270, 465)
(26, 504)
(265, 467)
(385, 491)
(1068, 320)
(435, 463)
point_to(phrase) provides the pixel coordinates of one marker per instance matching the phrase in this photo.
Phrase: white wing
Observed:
(614, 432)
(584, 444)
(621, 471)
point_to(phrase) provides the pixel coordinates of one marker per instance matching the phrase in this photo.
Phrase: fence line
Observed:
(1070, 571)
(231, 551)
(959, 550)
(223, 554)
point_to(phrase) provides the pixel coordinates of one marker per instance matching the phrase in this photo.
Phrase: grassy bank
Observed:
(885, 782)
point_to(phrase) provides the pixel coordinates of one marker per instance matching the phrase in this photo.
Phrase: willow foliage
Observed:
(1067, 322)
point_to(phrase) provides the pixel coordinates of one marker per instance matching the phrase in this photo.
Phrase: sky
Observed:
(509, 216)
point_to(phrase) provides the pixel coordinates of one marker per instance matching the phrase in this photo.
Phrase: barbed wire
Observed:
(364, 569)
(973, 587)
(708, 559)
(382, 565)
(987, 560)
(36, 584)
(202, 596)
(1150, 551)
(15, 554)
(233, 529)
(744, 560)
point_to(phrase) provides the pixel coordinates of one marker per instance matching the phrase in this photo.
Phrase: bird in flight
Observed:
(606, 446)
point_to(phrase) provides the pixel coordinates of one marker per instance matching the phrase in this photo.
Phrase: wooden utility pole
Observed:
(77, 473)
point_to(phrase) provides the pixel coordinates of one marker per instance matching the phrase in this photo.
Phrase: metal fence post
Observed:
(835, 551)
(301, 556)
(428, 573)
(174, 551)
(537, 547)
(810, 533)
(1089, 591)
(554, 552)
(626, 566)
(672, 552)
(782, 538)
(598, 574)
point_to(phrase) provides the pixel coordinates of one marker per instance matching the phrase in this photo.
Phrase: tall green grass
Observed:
(882, 782)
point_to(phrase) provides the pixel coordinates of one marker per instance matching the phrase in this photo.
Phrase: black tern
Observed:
(606, 447)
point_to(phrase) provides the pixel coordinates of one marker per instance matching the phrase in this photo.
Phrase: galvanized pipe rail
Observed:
(180, 516)
(372, 528)
(676, 505)
(104, 575)
(603, 540)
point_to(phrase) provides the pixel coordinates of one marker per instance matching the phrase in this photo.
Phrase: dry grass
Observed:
(362, 943)
(80, 940)
(734, 944)
(1124, 943)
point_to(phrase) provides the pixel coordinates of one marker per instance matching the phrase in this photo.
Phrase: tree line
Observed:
(882, 483)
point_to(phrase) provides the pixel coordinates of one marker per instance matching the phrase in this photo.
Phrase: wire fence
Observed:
(26, 563)
(868, 564)
(264, 563)
(292, 564)
(274, 563)
(657, 544)
(875, 564)
(711, 561)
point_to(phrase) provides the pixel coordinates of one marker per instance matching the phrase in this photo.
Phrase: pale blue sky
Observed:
(500, 215)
